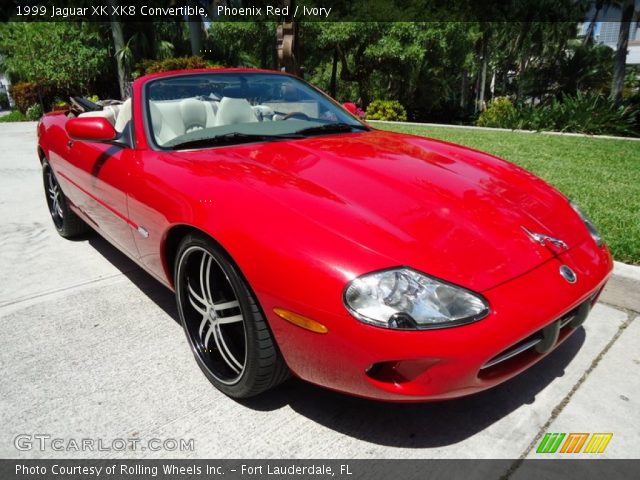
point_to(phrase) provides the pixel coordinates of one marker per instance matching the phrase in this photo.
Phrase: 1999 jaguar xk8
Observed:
(299, 239)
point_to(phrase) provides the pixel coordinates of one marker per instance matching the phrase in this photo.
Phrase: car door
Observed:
(101, 171)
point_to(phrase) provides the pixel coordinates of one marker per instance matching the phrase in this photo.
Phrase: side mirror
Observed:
(91, 129)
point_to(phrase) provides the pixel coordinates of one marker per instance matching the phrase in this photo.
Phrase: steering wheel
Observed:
(299, 115)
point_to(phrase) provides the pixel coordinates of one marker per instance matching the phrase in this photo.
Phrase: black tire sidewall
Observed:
(46, 168)
(244, 385)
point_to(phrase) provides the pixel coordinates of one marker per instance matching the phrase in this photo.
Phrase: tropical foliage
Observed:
(583, 113)
(448, 72)
(34, 112)
(390, 110)
(180, 63)
(25, 94)
(59, 55)
(500, 114)
(14, 116)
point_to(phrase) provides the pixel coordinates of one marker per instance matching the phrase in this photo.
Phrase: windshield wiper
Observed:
(331, 128)
(229, 139)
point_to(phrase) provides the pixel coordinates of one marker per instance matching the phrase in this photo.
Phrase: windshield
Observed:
(192, 111)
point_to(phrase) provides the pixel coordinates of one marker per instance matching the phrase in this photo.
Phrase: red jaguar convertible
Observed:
(299, 240)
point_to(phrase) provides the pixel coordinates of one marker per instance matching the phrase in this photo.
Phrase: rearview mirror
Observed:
(90, 129)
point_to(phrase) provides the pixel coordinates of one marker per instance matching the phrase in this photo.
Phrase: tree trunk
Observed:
(476, 92)
(195, 32)
(522, 47)
(333, 87)
(483, 84)
(118, 43)
(483, 73)
(521, 69)
(589, 35)
(492, 85)
(464, 85)
(195, 37)
(620, 58)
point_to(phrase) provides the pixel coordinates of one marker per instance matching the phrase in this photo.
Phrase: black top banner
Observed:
(309, 10)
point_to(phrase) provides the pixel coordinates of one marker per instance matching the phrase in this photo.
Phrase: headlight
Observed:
(593, 231)
(405, 299)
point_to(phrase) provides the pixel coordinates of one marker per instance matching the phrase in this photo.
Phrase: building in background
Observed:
(607, 28)
(5, 83)
(606, 33)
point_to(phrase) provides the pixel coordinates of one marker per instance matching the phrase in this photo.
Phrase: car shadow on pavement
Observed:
(416, 425)
(158, 293)
(420, 425)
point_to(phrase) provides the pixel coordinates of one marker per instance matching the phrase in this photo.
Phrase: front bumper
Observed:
(397, 365)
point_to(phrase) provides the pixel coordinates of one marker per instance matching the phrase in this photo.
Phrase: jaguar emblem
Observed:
(546, 240)
(568, 274)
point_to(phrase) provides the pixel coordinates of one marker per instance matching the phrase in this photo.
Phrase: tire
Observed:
(67, 223)
(225, 326)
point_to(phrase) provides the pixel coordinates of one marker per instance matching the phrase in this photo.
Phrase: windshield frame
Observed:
(360, 125)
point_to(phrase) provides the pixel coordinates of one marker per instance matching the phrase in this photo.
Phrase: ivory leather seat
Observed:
(235, 110)
(118, 115)
(123, 116)
(172, 118)
(110, 112)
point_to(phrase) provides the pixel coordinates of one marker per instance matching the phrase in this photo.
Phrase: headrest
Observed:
(124, 115)
(235, 110)
(290, 93)
(194, 113)
(156, 117)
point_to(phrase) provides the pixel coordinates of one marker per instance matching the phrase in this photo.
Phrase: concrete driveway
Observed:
(91, 348)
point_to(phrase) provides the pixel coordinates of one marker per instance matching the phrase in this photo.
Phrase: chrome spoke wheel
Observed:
(67, 222)
(212, 315)
(54, 198)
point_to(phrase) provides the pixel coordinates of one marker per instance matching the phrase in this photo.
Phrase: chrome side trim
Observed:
(565, 321)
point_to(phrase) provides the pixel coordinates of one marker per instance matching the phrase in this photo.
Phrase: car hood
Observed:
(446, 210)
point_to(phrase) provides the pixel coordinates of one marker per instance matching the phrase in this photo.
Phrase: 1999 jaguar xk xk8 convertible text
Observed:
(300, 240)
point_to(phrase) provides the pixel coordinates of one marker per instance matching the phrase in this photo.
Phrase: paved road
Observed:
(91, 348)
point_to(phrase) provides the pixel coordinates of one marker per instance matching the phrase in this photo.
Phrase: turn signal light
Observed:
(301, 321)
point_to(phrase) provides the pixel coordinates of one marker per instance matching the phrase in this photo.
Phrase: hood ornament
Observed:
(546, 240)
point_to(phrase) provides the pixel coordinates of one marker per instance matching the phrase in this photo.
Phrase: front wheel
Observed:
(225, 326)
(67, 223)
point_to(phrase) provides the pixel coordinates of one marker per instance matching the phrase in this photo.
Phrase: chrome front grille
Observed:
(544, 339)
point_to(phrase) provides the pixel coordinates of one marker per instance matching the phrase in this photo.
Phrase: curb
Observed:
(491, 129)
(631, 272)
(623, 288)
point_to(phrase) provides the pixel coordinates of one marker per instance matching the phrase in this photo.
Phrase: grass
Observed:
(601, 175)
(14, 116)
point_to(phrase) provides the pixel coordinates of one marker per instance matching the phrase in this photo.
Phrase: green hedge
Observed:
(390, 110)
(176, 63)
(582, 113)
(14, 116)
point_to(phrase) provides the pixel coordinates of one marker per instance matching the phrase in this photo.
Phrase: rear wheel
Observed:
(67, 223)
(225, 326)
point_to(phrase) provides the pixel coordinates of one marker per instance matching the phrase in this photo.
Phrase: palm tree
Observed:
(620, 59)
(588, 37)
(195, 30)
(118, 42)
